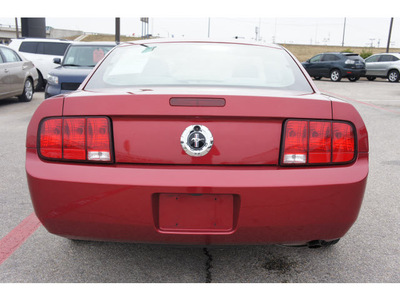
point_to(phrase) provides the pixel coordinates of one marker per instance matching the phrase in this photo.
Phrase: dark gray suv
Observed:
(336, 65)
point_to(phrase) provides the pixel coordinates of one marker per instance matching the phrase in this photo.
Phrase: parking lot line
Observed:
(359, 101)
(16, 237)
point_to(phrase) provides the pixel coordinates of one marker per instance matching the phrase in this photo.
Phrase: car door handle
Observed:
(5, 70)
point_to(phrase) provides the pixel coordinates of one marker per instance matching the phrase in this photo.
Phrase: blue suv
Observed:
(78, 61)
(336, 65)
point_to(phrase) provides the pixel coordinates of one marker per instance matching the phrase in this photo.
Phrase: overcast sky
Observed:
(301, 22)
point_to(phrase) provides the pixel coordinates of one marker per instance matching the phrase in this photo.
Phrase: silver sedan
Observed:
(18, 76)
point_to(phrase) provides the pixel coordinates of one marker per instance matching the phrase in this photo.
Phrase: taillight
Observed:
(75, 139)
(317, 142)
(50, 137)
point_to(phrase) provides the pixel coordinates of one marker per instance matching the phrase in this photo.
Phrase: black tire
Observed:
(313, 244)
(317, 78)
(393, 76)
(318, 243)
(371, 78)
(330, 243)
(353, 79)
(335, 75)
(41, 82)
(27, 94)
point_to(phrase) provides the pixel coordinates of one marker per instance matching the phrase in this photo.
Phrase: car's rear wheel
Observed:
(371, 78)
(393, 76)
(335, 75)
(354, 78)
(317, 78)
(27, 94)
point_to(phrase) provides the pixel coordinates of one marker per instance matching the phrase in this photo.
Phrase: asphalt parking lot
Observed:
(368, 253)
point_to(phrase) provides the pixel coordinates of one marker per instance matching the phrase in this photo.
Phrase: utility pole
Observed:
(390, 34)
(16, 28)
(344, 31)
(117, 31)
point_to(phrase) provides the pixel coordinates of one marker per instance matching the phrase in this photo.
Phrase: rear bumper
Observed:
(270, 204)
(353, 72)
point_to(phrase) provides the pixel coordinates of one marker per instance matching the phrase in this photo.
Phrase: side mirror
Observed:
(57, 61)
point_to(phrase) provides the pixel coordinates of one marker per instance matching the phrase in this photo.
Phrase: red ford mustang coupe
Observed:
(197, 142)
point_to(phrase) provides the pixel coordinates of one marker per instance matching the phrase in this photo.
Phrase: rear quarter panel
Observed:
(49, 108)
(345, 111)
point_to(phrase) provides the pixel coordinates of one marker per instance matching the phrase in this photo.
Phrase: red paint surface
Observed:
(16, 237)
(272, 204)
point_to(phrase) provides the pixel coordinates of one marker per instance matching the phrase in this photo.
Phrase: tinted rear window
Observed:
(330, 57)
(199, 64)
(28, 47)
(386, 58)
(55, 48)
(49, 48)
(354, 56)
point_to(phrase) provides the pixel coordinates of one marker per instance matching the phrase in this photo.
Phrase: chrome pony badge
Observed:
(197, 140)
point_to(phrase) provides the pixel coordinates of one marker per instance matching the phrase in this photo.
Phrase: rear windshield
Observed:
(199, 64)
(85, 56)
(354, 56)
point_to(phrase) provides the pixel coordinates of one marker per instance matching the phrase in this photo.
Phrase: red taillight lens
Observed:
(320, 142)
(317, 142)
(74, 139)
(77, 139)
(51, 138)
(343, 142)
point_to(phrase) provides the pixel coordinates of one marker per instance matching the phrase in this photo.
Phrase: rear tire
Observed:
(353, 79)
(393, 76)
(27, 94)
(319, 244)
(371, 78)
(330, 243)
(313, 244)
(317, 78)
(335, 75)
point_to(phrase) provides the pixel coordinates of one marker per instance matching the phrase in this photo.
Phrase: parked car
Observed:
(384, 65)
(335, 65)
(193, 142)
(41, 52)
(78, 61)
(18, 76)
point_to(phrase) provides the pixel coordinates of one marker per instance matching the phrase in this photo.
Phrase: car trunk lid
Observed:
(147, 126)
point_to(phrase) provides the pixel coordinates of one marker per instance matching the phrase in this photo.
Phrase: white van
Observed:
(41, 52)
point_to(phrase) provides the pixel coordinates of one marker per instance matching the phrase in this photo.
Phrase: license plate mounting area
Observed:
(195, 213)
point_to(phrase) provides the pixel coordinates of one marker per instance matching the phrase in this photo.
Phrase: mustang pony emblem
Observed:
(197, 140)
